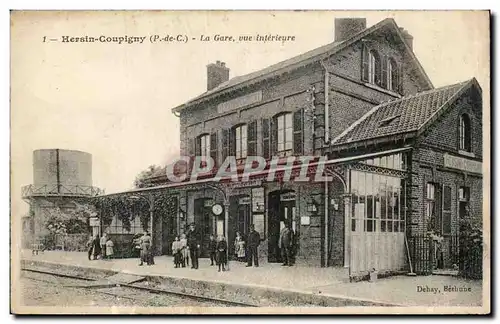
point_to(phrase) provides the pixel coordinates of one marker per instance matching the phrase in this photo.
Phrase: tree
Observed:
(141, 180)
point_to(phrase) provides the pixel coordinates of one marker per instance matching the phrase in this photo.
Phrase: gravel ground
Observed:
(46, 290)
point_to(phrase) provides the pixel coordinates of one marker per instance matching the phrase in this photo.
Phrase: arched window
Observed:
(374, 67)
(392, 75)
(203, 145)
(465, 133)
(240, 141)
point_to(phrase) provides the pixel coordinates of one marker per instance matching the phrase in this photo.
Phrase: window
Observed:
(389, 121)
(240, 136)
(378, 203)
(430, 200)
(393, 161)
(370, 66)
(373, 67)
(463, 194)
(203, 145)
(392, 75)
(465, 133)
(285, 132)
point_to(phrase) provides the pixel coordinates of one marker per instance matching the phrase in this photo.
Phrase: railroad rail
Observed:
(149, 289)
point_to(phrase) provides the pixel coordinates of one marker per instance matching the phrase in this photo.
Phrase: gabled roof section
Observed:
(405, 115)
(312, 56)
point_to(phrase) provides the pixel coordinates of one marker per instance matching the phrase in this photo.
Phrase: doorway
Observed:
(282, 211)
(240, 218)
(204, 223)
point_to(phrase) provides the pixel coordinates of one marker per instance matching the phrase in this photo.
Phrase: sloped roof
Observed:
(300, 60)
(408, 114)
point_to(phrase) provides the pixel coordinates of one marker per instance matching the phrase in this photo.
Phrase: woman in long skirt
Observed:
(239, 247)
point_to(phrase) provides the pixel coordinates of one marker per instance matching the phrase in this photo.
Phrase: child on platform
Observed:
(176, 251)
(109, 249)
(222, 253)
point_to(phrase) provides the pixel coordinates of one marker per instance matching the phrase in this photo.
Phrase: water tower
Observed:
(61, 179)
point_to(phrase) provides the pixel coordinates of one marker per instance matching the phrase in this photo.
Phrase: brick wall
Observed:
(286, 93)
(445, 134)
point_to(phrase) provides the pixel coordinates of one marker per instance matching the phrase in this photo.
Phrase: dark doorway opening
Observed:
(282, 211)
(203, 219)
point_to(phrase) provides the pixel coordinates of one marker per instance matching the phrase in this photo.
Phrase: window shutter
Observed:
(197, 146)
(191, 146)
(364, 64)
(383, 81)
(266, 138)
(298, 134)
(214, 147)
(232, 142)
(446, 210)
(274, 136)
(400, 79)
(225, 144)
(252, 138)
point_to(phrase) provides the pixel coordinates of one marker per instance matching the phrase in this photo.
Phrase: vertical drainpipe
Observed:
(327, 117)
(326, 142)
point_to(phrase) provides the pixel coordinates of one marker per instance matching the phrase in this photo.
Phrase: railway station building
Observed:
(405, 157)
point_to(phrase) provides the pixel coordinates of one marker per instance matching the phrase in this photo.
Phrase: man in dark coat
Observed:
(194, 243)
(285, 244)
(253, 241)
(96, 243)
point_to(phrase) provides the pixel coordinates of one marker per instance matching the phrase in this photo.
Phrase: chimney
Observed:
(345, 28)
(217, 73)
(407, 37)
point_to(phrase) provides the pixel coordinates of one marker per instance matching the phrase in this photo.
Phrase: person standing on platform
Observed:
(253, 242)
(212, 248)
(184, 251)
(176, 251)
(90, 247)
(145, 249)
(96, 245)
(285, 244)
(222, 253)
(194, 243)
(104, 239)
(239, 247)
(109, 249)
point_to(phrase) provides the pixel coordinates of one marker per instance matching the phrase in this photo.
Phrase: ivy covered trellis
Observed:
(124, 207)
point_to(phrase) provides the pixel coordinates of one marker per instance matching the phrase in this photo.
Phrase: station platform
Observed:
(272, 284)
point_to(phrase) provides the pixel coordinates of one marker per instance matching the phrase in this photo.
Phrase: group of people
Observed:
(247, 251)
(187, 247)
(100, 247)
(189, 244)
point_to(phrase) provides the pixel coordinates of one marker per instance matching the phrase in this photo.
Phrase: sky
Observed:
(114, 101)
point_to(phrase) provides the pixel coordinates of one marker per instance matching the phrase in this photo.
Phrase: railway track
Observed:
(138, 288)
